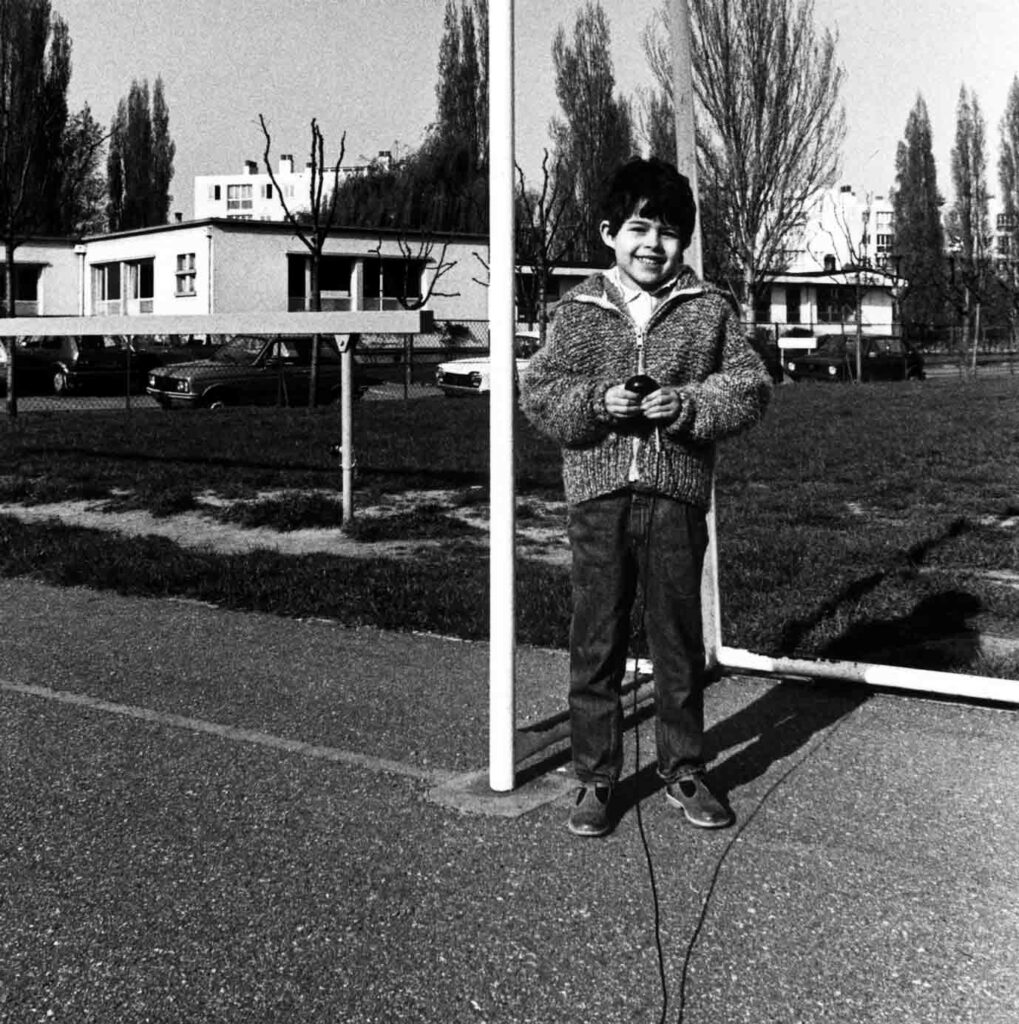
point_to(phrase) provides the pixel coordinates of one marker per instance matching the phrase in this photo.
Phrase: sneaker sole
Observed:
(587, 833)
(694, 821)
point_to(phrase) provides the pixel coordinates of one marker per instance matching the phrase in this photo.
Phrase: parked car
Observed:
(255, 370)
(75, 364)
(834, 359)
(162, 349)
(472, 376)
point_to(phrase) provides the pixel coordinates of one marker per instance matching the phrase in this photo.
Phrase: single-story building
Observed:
(827, 302)
(220, 265)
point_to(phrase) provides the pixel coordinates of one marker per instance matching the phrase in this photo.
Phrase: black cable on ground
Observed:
(743, 826)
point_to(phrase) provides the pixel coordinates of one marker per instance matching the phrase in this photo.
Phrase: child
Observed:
(637, 471)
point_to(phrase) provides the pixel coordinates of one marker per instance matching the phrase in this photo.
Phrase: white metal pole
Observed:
(347, 400)
(501, 316)
(686, 161)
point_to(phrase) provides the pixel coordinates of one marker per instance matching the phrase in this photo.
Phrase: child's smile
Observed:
(648, 252)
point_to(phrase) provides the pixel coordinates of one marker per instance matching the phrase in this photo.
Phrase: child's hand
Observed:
(621, 403)
(663, 404)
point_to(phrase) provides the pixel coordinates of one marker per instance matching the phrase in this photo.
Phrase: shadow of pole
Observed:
(794, 631)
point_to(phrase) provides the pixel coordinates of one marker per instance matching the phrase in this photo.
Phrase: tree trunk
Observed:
(8, 310)
(749, 307)
(316, 305)
(976, 336)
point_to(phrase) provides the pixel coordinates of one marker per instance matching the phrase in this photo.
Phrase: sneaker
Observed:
(701, 807)
(590, 814)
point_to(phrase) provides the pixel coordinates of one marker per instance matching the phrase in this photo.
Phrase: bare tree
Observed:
(312, 230)
(546, 234)
(770, 122)
(414, 258)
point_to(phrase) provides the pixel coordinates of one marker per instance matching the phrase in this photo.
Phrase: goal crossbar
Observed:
(332, 322)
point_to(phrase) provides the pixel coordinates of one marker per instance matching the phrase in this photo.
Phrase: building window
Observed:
(268, 191)
(215, 193)
(185, 274)
(792, 303)
(238, 197)
(106, 288)
(140, 280)
(836, 304)
(334, 282)
(885, 243)
(26, 289)
(390, 282)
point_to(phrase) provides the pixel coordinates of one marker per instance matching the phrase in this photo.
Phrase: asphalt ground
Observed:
(208, 816)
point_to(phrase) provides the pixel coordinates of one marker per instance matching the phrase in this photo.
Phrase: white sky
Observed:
(368, 67)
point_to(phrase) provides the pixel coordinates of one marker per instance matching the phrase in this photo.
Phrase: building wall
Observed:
(236, 266)
(57, 289)
(162, 246)
(242, 267)
(876, 307)
(845, 228)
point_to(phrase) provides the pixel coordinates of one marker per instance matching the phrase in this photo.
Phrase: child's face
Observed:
(648, 252)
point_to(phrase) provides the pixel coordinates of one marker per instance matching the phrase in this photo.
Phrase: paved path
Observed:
(208, 816)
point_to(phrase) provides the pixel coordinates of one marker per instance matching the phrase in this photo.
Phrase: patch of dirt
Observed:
(541, 531)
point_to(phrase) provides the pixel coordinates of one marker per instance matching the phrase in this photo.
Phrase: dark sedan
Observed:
(256, 370)
(75, 364)
(835, 360)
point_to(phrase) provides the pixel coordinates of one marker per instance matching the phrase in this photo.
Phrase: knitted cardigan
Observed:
(693, 341)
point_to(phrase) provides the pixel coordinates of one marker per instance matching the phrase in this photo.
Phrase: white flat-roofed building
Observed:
(221, 265)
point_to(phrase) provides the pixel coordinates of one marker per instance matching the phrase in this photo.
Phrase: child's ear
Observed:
(607, 234)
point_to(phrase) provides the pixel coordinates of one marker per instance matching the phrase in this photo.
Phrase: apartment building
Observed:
(251, 194)
(841, 271)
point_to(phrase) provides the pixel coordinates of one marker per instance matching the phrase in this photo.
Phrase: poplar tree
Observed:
(969, 224)
(1008, 167)
(83, 185)
(140, 160)
(595, 133)
(163, 151)
(919, 236)
(35, 68)
(462, 88)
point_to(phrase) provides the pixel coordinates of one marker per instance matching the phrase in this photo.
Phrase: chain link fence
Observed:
(84, 372)
(49, 372)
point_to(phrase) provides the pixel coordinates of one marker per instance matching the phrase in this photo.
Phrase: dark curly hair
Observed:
(650, 188)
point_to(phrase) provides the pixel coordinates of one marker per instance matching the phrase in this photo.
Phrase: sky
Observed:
(368, 68)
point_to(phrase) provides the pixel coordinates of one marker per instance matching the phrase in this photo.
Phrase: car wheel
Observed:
(61, 382)
(217, 400)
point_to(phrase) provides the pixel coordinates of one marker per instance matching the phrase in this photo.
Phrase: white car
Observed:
(472, 376)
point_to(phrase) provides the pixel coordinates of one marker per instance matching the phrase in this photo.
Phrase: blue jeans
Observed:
(617, 540)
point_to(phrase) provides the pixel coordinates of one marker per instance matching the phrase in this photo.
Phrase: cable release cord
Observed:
(737, 832)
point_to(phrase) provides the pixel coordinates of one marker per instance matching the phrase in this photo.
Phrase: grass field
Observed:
(855, 522)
